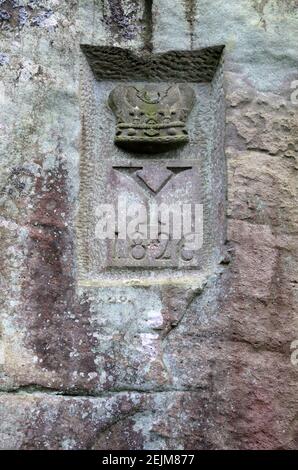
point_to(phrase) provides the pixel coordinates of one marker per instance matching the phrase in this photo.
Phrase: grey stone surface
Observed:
(145, 359)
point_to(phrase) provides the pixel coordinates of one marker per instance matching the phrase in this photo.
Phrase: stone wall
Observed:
(131, 362)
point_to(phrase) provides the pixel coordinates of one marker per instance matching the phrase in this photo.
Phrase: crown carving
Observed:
(152, 118)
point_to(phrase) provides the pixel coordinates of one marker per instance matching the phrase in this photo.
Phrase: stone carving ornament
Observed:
(151, 119)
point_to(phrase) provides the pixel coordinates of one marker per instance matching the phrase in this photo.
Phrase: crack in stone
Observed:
(148, 26)
(36, 390)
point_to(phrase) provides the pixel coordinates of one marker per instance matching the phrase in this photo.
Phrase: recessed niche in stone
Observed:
(192, 173)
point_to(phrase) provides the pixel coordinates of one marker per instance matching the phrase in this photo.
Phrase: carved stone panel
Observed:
(147, 143)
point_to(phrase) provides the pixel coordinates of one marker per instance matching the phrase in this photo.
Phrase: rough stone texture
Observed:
(202, 363)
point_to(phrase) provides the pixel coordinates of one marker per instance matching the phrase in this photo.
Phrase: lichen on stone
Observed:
(121, 17)
(4, 59)
(15, 14)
